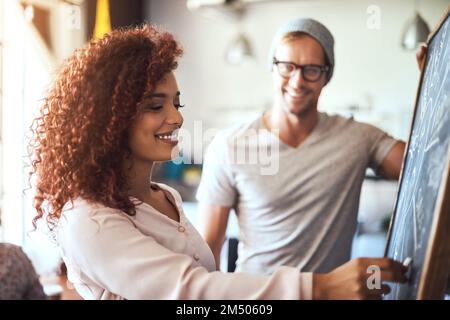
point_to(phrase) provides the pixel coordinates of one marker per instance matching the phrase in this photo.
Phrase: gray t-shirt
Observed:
(295, 206)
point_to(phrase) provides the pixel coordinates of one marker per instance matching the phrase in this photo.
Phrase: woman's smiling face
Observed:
(154, 135)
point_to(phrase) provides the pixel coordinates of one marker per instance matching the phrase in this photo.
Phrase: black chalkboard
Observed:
(424, 180)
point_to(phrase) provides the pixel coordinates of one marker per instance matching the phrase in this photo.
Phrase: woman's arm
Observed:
(111, 251)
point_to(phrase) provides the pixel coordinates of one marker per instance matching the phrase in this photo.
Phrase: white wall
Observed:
(371, 68)
(28, 67)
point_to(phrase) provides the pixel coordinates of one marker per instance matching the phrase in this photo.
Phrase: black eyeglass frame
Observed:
(322, 69)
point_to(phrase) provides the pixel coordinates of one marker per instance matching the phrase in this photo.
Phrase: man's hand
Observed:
(420, 55)
(349, 281)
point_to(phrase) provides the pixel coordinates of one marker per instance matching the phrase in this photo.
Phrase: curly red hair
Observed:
(80, 138)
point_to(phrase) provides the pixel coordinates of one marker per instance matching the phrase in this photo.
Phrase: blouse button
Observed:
(196, 257)
(181, 229)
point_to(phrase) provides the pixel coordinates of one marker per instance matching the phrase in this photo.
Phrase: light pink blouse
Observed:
(110, 255)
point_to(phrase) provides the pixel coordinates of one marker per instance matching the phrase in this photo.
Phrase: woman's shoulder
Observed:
(81, 207)
(172, 191)
(82, 220)
(80, 213)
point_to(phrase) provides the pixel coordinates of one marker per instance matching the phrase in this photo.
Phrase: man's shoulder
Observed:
(226, 140)
(231, 135)
(342, 123)
(242, 127)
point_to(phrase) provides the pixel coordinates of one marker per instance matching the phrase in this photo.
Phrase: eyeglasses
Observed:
(309, 72)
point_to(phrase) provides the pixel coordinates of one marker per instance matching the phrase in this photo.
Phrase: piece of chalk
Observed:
(407, 265)
(407, 262)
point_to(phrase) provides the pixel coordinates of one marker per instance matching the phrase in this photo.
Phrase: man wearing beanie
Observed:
(304, 214)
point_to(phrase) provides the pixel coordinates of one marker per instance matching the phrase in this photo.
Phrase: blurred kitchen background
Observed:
(223, 77)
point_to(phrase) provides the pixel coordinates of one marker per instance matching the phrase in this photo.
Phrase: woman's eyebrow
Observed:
(162, 95)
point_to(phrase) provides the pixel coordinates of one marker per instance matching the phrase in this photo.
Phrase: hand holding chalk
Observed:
(407, 263)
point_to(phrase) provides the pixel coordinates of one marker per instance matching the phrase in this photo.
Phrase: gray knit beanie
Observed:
(311, 27)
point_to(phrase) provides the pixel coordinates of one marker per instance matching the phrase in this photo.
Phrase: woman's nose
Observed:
(174, 116)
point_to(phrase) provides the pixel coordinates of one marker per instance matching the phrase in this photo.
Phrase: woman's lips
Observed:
(168, 137)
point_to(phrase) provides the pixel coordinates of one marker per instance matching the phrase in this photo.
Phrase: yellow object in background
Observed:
(102, 19)
(191, 176)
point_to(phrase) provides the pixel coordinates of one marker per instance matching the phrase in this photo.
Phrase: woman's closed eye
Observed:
(153, 107)
(159, 107)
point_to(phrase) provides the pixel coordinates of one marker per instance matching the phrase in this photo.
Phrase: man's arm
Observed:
(392, 164)
(213, 226)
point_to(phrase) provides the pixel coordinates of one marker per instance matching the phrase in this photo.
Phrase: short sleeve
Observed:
(217, 185)
(379, 143)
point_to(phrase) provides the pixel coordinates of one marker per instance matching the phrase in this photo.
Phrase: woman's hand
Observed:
(349, 281)
(420, 55)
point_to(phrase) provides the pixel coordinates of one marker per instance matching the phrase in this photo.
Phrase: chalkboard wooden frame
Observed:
(436, 270)
(435, 273)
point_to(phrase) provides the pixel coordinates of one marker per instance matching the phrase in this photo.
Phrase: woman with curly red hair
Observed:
(112, 112)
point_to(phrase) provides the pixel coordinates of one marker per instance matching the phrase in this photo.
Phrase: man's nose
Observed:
(296, 80)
